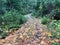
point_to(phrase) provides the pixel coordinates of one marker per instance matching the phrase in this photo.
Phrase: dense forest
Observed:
(13, 17)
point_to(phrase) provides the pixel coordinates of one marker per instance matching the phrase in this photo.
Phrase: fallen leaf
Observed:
(43, 43)
(49, 33)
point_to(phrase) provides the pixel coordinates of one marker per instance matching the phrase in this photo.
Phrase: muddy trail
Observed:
(31, 33)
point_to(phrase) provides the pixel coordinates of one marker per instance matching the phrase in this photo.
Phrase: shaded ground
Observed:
(31, 33)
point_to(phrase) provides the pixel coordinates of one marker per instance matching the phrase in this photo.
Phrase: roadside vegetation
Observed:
(49, 13)
(12, 16)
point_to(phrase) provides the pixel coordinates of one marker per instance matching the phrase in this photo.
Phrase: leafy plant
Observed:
(44, 20)
(13, 17)
(55, 43)
(11, 21)
(53, 35)
(3, 34)
(54, 25)
(51, 25)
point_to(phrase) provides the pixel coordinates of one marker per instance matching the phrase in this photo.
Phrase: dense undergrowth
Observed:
(12, 15)
(11, 21)
(49, 13)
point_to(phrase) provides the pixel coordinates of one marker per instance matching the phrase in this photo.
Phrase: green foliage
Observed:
(23, 6)
(11, 21)
(54, 25)
(57, 4)
(44, 20)
(53, 35)
(13, 18)
(58, 36)
(10, 16)
(42, 8)
(2, 7)
(45, 7)
(51, 25)
(3, 34)
(57, 15)
(55, 43)
(1, 20)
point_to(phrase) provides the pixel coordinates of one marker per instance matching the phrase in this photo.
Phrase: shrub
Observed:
(13, 17)
(3, 33)
(12, 20)
(51, 25)
(54, 27)
(44, 20)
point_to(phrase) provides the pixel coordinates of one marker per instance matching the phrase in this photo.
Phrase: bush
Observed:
(11, 20)
(3, 34)
(54, 27)
(51, 25)
(44, 20)
(13, 17)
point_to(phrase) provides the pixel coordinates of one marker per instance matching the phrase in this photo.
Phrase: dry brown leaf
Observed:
(14, 39)
(28, 37)
(56, 40)
(43, 43)
(52, 41)
(49, 33)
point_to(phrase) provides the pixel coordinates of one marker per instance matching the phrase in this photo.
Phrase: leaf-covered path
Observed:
(31, 33)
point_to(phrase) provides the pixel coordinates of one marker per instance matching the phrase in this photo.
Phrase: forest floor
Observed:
(31, 33)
